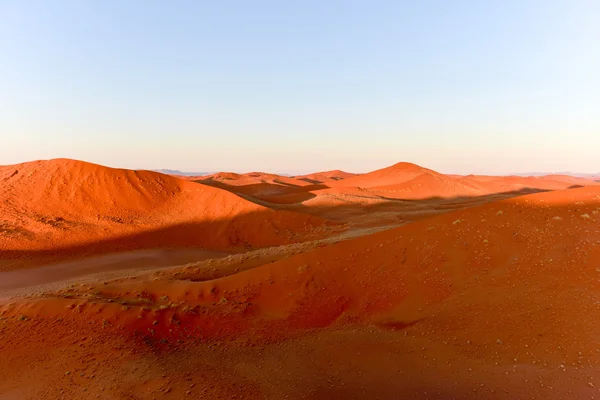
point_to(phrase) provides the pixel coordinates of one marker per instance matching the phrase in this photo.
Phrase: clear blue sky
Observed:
(293, 86)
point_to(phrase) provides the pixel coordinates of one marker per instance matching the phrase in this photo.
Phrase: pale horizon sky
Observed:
(492, 87)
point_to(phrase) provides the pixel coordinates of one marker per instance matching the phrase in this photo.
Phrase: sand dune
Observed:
(62, 204)
(471, 297)
(493, 286)
(406, 181)
(428, 185)
(392, 175)
(401, 181)
(262, 186)
(326, 176)
(513, 236)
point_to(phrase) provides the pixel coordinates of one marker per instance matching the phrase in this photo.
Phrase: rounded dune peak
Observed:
(404, 165)
(84, 190)
(395, 174)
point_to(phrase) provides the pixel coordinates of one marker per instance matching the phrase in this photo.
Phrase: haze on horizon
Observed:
(459, 87)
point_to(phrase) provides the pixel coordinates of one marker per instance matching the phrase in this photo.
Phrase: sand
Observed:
(55, 210)
(454, 287)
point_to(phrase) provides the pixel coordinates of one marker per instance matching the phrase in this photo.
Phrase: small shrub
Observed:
(302, 268)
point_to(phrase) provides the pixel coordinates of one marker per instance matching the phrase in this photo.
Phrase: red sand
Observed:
(326, 176)
(393, 175)
(402, 181)
(493, 301)
(80, 207)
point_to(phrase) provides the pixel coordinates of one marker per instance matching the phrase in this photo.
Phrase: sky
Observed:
(298, 86)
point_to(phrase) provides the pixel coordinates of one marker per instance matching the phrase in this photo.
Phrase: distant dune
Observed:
(392, 175)
(410, 181)
(261, 186)
(326, 176)
(181, 173)
(401, 181)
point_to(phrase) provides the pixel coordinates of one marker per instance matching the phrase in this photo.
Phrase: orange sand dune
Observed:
(362, 200)
(512, 183)
(250, 178)
(261, 186)
(401, 181)
(65, 203)
(496, 302)
(409, 181)
(429, 185)
(219, 176)
(514, 238)
(392, 175)
(326, 176)
(574, 180)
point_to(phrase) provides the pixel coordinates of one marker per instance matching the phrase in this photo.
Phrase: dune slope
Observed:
(496, 302)
(392, 175)
(60, 204)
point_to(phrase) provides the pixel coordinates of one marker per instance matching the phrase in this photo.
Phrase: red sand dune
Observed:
(219, 176)
(497, 302)
(401, 181)
(429, 185)
(410, 181)
(510, 240)
(62, 203)
(392, 175)
(513, 183)
(326, 176)
(250, 178)
(574, 180)
(261, 186)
